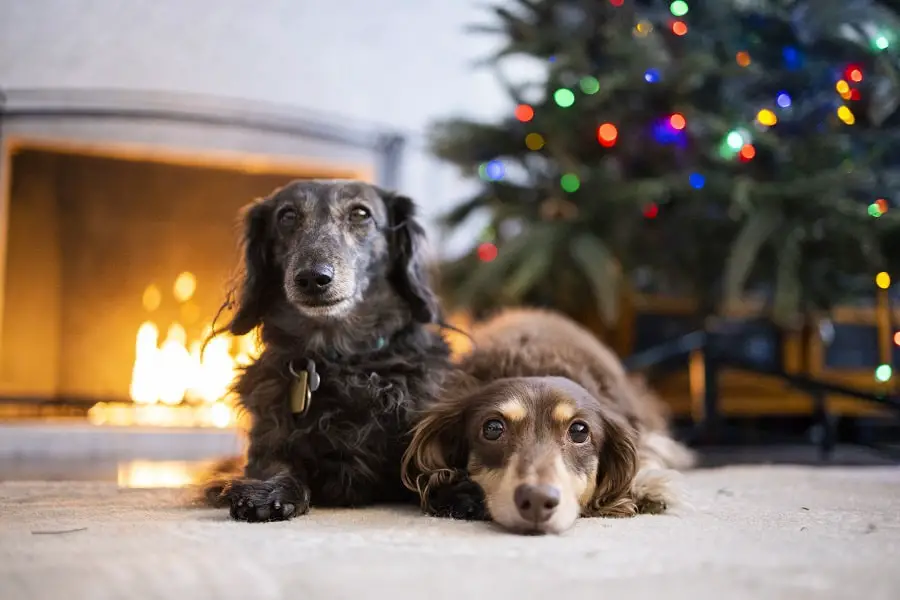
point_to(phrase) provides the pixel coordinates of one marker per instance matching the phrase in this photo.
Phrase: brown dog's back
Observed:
(534, 342)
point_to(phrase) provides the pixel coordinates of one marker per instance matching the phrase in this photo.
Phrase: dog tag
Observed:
(300, 393)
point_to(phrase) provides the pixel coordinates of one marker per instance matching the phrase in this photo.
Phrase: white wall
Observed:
(397, 62)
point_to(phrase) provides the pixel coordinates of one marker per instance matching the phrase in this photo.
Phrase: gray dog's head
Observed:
(325, 250)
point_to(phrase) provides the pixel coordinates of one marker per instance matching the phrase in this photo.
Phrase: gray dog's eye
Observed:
(359, 214)
(287, 218)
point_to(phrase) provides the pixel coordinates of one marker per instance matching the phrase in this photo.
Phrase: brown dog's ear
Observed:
(438, 450)
(409, 271)
(616, 469)
(259, 271)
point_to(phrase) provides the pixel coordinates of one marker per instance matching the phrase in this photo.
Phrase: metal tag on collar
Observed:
(305, 383)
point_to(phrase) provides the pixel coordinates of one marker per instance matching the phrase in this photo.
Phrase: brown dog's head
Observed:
(322, 251)
(543, 450)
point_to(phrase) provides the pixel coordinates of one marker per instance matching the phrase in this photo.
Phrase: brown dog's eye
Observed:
(579, 432)
(360, 214)
(287, 218)
(492, 429)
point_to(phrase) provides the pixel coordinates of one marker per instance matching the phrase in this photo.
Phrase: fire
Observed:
(176, 382)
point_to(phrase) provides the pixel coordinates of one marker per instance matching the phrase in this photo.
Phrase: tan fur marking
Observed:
(513, 410)
(563, 412)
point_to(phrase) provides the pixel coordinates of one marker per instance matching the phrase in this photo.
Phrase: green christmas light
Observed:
(569, 182)
(881, 42)
(589, 85)
(884, 373)
(564, 97)
(874, 210)
(679, 8)
(735, 140)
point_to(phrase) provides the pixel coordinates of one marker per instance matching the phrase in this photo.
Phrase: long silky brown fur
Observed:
(639, 453)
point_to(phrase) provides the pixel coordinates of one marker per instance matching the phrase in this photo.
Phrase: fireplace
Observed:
(117, 251)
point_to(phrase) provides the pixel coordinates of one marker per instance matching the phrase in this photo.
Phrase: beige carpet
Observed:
(753, 532)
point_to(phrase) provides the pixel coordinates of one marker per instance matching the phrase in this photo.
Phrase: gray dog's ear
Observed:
(409, 271)
(259, 270)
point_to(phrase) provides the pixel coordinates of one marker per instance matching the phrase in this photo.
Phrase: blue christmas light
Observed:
(494, 170)
(697, 181)
(792, 58)
(664, 133)
(552, 59)
(651, 76)
(783, 100)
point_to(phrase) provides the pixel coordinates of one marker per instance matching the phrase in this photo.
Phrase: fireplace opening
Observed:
(114, 269)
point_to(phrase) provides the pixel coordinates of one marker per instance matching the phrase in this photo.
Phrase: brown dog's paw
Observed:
(463, 500)
(257, 501)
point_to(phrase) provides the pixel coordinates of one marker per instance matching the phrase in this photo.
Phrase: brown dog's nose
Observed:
(315, 279)
(536, 503)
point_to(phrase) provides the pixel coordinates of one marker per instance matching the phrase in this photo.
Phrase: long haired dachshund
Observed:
(542, 425)
(335, 279)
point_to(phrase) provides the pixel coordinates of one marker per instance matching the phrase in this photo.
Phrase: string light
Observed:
(617, 2)
(589, 85)
(564, 97)
(897, 338)
(492, 171)
(766, 117)
(743, 58)
(679, 8)
(878, 208)
(783, 100)
(855, 95)
(487, 252)
(651, 76)
(607, 134)
(677, 121)
(748, 152)
(697, 181)
(842, 87)
(883, 280)
(679, 28)
(735, 140)
(792, 58)
(651, 211)
(570, 182)
(524, 113)
(846, 115)
(884, 373)
(643, 28)
(854, 74)
(534, 141)
(881, 43)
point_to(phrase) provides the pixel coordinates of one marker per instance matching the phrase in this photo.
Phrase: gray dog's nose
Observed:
(315, 279)
(536, 503)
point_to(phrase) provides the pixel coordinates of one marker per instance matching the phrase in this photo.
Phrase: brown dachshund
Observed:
(543, 425)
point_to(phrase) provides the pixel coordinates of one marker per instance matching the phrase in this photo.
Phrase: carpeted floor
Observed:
(767, 532)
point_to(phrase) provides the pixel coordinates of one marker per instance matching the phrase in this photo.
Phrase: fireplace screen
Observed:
(114, 271)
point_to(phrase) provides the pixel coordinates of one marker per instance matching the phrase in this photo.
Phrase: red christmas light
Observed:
(651, 211)
(617, 2)
(487, 252)
(679, 28)
(854, 94)
(677, 121)
(524, 113)
(607, 134)
(853, 73)
(748, 152)
(882, 205)
(897, 338)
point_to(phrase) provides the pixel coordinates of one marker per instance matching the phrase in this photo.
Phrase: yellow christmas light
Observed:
(766, 117)
(883, 280)
(842, 87)
(846, 115)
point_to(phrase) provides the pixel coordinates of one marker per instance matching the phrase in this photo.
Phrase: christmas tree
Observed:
(716, 149)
